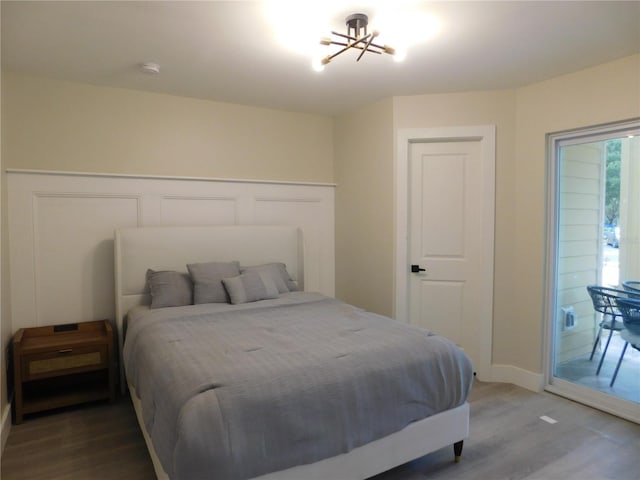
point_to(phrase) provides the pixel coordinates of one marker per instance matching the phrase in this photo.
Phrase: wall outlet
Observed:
(568, 318)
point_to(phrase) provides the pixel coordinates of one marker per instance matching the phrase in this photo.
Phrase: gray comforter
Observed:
(233, 392)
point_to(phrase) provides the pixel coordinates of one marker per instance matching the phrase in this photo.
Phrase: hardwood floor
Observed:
(95, 441)
(508, 441)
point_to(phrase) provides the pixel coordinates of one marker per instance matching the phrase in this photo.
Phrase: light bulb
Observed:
(317, 64)
(400, 54)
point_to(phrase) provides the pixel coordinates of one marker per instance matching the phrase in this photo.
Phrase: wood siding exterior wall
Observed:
(580, 238)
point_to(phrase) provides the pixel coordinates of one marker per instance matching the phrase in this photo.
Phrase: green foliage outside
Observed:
(612, 190)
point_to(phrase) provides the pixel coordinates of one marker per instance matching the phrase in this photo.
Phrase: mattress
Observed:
(244, 390)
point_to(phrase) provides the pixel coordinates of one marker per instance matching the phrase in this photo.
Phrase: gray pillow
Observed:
(207, 280)
(169, 288)
(250, 287)
(278, 273)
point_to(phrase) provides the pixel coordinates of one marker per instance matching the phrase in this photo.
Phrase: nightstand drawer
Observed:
(63, 362)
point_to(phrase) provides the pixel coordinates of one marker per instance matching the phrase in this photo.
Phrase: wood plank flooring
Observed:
(508, 441)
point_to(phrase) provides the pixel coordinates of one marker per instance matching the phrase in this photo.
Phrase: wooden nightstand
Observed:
(62, 365)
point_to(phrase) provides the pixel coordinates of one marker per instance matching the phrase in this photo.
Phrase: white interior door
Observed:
(446, 202)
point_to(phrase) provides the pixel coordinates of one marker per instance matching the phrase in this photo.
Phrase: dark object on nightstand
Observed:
(62, 365)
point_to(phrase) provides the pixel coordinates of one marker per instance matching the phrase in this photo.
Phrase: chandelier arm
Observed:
(368, 50)
(381, 47)
(351, 45)
(355, 40)
(372, 48)
(360, 40)
(348, 37)
(331, 57)
(366, 47)
(356, 24)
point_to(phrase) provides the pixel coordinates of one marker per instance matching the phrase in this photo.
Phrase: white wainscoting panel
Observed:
(305, 213)
(61, 232)
(176, 210)
(74, 254)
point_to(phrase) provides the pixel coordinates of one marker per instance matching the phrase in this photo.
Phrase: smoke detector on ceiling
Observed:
(148, 67)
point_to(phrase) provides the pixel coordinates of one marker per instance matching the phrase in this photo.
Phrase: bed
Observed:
(274, 382)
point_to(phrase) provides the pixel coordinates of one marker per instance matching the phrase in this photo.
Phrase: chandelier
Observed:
(356, 37)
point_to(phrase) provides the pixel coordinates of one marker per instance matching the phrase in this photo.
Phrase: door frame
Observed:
(486, 135)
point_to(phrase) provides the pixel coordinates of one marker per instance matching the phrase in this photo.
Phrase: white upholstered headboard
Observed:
(172, 248)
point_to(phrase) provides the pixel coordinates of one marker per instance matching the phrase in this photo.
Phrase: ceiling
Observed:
(227, 51)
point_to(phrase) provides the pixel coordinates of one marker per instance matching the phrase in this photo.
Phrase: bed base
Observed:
(414, 441)
(137, 249)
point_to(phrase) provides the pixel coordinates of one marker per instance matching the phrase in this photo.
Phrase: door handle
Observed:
(417, 269)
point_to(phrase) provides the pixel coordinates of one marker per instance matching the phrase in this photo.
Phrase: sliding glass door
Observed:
(593, 239)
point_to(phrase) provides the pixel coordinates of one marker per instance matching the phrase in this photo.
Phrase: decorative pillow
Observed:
(250, 287)
(207, 280)
(278, 273)
(169, 288)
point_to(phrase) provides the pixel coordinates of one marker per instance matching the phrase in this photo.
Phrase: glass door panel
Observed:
(594, 236)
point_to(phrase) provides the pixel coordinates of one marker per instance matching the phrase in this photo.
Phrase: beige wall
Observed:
(523, 117)
(5, 319)
(481, 108)
(55, 125)
(6, 326)
(364, 207)
(606, 93)
(365, 196)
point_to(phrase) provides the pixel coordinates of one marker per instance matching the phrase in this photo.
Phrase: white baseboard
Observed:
(6, 425)
(517, 376)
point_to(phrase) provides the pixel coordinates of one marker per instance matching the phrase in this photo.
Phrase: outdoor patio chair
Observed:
(630, 310)
(633, 287)
(604, 301)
